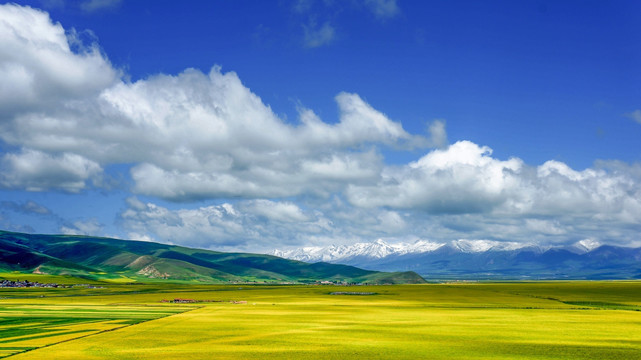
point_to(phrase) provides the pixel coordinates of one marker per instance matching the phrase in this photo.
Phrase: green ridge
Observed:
(96, 258)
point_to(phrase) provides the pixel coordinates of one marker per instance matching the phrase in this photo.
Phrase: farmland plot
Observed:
(554, 320)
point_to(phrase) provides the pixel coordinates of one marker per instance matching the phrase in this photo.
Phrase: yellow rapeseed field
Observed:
(551, 320)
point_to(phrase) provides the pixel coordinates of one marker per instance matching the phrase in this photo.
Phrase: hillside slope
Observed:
(106, 258)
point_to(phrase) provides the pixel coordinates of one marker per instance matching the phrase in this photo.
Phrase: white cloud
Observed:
(66, 115)
(390, 222)
(255, 225)
(188, 136)
(279, 211)
(360, 120)
(198, 135)
(316, 36)
(344, 167)
(548, 227)
(461, 179)
(465, 178)
(37, 65)
(37, 171)
(261, 223)
(597, 193)
(359, 123)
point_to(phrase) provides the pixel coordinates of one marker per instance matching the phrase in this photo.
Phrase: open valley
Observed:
(320, 180)
(536, 320)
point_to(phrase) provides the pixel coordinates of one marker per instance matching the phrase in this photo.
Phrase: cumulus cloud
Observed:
(465, 178)
(188, 136)
(595, 193)
(205, 226)
(33, 170)
(261, 223)
(278, 211)
(66, 115)
(38, 67)
(359, 123)
(547, 227)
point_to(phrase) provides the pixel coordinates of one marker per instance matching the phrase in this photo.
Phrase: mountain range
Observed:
(482, 259)
(140, 261)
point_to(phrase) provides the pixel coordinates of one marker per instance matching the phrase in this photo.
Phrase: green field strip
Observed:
(5, 348)
(603, 305)
(51, 329)
(48, 334)
(83, 311)
(122, 290)
(6, 351)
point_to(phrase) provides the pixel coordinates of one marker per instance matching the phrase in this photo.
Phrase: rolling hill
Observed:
(127, 260)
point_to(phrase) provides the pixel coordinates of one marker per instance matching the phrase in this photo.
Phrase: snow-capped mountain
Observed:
(481, 259)
(476, 246)
(380, 249)
(374, 250)
(586, 245)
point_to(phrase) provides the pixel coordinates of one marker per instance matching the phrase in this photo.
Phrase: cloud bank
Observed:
(67, 116)
(190, 136)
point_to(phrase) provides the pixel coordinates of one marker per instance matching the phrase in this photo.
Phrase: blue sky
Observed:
(253, 125)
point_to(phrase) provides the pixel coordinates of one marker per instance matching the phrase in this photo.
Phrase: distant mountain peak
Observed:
(587, 245)
(483, 259)
(475, 246)
(380, 249)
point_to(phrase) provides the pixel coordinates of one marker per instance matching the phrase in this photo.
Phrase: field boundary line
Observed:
(103, 331)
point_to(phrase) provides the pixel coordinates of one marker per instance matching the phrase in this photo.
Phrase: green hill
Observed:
(140, 261)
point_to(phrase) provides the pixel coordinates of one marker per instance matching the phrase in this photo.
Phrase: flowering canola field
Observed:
(537, 320)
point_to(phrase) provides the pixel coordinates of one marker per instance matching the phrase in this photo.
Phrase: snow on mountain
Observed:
(482, 259)
(586, 245)
(313, 253)
(420, 246)
(380, 249)
(374, 250)
(475, 246)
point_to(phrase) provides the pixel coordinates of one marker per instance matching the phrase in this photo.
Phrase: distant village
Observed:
(193, 301)
(27, 283)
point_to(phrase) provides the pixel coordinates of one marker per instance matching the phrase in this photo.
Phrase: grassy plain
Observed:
(539, 320)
